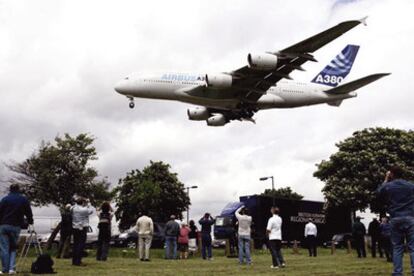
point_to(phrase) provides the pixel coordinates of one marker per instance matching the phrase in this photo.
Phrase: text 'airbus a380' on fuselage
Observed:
(262, 84)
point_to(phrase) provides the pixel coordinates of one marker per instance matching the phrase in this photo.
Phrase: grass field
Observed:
(124, 262)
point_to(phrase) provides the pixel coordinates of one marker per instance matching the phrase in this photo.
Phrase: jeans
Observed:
(386, 247)
(402, 228)
(102, 251)
(144, 245)
(376, 242)
(275, 250)
(9, 236)
(170, 243)
(244, 249)
(311, 239)
(79, 240)
(206, 245)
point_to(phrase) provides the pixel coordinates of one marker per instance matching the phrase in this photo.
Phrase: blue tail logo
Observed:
(336, 71)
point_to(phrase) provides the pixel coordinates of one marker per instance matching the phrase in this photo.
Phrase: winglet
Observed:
(364, 20)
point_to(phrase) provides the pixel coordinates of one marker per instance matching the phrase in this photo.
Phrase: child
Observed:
(183, 241)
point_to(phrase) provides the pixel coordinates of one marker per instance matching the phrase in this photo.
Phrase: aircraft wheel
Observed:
(131, 105)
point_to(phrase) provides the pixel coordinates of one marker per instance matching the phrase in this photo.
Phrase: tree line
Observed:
(60, 170)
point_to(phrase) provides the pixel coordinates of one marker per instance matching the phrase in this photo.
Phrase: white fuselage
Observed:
(191, 88)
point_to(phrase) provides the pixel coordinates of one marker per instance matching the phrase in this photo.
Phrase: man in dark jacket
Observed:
(172, 231)
(398, 196)
(13, 208)
(374, 232)
(358, 233)
(206, 222)
(65, 231)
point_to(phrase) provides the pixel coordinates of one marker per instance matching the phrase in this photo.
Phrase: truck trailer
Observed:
(294, 213)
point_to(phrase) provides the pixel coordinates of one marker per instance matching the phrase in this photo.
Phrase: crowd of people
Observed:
(388, 236)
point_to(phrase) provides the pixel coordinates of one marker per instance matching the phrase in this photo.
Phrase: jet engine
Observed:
(219, 80)
(198, 113)
(262, 61)
(217, 120)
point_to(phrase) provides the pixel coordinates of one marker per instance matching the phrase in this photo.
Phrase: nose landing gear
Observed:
(131, 102)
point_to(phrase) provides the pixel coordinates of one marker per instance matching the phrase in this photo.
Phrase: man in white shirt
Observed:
(80, 223)
(274, 232)
(245, 221)
(145, 229)
(310, 235)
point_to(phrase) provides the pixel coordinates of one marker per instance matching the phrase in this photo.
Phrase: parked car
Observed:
(340, 240)
(91, 237)
(129, 238)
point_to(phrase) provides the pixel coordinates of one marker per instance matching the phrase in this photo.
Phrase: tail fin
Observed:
(338, 68)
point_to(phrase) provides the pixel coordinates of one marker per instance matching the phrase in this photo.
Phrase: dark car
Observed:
(129, 238)
(340, 240)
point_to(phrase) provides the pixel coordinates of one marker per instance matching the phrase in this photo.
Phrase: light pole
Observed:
(273, 186)
(188, 194)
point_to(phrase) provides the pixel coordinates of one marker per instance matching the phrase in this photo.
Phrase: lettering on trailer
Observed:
(182, 77)
(304, 217)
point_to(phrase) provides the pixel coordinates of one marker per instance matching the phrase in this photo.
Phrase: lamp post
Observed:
(188, 194)
(273, 185)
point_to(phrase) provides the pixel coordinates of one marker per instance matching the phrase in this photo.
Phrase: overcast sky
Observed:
(59, 61)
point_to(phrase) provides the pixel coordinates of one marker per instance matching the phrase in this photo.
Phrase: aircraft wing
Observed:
(354, 85)
(254, 83)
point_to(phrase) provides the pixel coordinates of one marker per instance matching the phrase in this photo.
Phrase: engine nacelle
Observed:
(217, 120)
(198, 113)
(262, 61)
(219, 80)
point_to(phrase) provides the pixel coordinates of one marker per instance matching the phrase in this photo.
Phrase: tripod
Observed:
(31, 241)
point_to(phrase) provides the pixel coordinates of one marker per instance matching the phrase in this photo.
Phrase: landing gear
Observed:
(131, 102)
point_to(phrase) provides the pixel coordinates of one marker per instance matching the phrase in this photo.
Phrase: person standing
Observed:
(374, 232)
(172, 230)
(13, 208)
(311, 232)
(245, 222)
(104, 236)
(358, 234)
(80, 223)
(183, 240)
(398, 196)
(145, 229)
(206, 222)
(65, 231)
(274, 232)
(192, 238)
(385, 236)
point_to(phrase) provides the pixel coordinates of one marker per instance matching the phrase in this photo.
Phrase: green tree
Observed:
(353, 173)
(58, 171)
(283, 193)
(154, 190)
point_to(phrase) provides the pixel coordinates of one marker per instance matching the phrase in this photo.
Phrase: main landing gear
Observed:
(131, 102)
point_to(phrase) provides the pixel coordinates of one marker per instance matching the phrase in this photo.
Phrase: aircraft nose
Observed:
(120, 87)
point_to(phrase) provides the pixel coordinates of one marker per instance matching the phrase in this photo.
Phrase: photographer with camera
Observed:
(398, 196)
(13, 208)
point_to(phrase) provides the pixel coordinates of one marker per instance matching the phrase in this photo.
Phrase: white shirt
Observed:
(244, 223)
(145, 226)
(310, 229)
(80, 216)
(274, 226)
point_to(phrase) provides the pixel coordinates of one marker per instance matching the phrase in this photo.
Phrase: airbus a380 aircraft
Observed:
(263, 84)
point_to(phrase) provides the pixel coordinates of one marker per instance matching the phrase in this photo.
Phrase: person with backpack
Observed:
(13, 208)
(104, 227)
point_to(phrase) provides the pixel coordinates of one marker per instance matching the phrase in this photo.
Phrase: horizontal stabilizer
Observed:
(335, 103)
(354, 85)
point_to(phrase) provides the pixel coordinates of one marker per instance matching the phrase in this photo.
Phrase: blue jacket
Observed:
(398, 196)
(385, 229)
(13, 208)
(206, 225)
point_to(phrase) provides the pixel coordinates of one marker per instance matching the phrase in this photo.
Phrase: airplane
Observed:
(264, 83)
